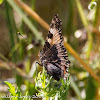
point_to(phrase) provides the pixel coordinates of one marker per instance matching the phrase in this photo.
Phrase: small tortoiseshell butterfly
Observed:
(54, 55)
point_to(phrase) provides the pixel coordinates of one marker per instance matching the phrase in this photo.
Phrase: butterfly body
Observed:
(54, 55)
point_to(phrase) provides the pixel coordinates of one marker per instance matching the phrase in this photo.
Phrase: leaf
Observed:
(1, 1)
(50, 88)
(90, 90)
(18, 93)
(11, 88)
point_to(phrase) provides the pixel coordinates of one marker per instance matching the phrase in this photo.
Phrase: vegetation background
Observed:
(81, 31)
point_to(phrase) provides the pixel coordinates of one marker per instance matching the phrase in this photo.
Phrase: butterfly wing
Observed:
(54, 34)
(54, 52)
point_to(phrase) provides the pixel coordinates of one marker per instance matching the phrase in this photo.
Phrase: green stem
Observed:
(75, 88)
(85, 23)
(81, 12)
(33, 4)
(11, 27)
(97, 16)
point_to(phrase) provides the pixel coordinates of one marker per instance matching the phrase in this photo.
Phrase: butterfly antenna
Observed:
(23, 36)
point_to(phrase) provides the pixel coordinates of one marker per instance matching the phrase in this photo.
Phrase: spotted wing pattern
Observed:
(54, 55)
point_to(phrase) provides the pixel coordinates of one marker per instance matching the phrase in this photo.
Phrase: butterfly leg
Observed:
(38, 63)
(36, 66)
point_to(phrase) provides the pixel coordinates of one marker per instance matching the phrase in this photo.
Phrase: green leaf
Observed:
(48, 88)
(18, 93)
(11, 88)
(1, 1)
(26, 97)
(90, 90)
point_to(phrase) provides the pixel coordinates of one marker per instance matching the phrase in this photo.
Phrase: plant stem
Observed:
(88, 68)
(76, 89)
(86, 24)
(11, 27)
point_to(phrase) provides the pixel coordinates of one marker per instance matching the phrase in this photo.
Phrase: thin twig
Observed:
(69, 48)
(46, 26)
(32, 13)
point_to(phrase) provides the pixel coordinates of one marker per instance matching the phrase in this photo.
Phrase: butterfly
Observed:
(54, 56)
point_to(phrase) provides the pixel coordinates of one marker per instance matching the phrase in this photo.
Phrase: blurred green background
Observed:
(80, 28)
